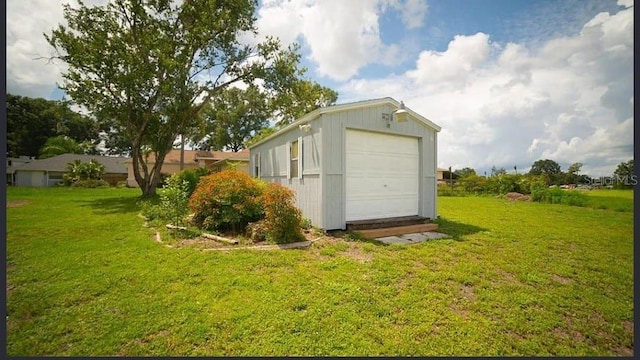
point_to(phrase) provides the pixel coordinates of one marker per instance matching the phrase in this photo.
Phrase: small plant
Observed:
(174, 200)
(282, 218)
(306, 224)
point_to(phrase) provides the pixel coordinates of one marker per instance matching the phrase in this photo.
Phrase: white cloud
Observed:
(463, 56)
(28, 70)
(412, 12)
(342, 36)
(569, 99)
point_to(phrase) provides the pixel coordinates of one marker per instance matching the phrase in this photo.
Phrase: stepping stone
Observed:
(394, 240)
(413, 238)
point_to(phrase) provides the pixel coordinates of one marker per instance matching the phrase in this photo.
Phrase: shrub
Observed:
(174, 200)
(191, 177)
(227, 200)
(282, 218)
(91, 183)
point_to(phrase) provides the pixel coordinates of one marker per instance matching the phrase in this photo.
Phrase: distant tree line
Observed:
(544, 171)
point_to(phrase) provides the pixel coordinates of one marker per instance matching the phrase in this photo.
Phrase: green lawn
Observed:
(85, 278)
(618, 200)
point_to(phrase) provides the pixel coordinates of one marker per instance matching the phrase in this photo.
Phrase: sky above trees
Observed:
(509, 81)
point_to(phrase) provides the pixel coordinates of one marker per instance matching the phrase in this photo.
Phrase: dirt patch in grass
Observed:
(16, 203)
(628, 325)
(623, 351)
(467, 292)
(355, 252)
(562, 333)
(562, 279)
(506, 277)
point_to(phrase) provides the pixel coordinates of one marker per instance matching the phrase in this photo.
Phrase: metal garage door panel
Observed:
(381, 175)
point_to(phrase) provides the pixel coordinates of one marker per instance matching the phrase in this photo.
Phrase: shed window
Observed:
(294, 159)
(256, 165)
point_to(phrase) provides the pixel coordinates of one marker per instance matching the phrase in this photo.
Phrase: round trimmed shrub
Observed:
(227, 200)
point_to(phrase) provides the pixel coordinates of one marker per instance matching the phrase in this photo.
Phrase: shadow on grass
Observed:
(115, 205)
(456, 229)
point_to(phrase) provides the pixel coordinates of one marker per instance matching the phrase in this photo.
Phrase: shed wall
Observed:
(273, 168)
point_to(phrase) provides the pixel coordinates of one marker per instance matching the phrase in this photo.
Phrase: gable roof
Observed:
(112, 164)
(349, 106)
(192, 156)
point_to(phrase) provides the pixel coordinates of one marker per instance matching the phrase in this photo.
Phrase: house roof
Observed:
(112, 164)
(344, 107)
(192, 156)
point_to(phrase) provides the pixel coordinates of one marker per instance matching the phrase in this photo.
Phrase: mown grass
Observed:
(85, 278)
(618, 200)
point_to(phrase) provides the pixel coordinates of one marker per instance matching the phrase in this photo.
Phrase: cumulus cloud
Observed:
(28, 70)
(570, 99)
(342, 36)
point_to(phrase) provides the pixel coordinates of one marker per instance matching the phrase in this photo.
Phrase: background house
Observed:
(48, 172)
(445, 176)
(353, 162)
(12, 164)
(216, 160)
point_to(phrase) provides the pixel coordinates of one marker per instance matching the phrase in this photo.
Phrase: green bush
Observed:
(174, 200)
(227, 200)
(91, 183)
(282, 218)
(152, 210)
(191, 177)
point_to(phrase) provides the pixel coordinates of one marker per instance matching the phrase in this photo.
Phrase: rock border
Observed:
(296, 245)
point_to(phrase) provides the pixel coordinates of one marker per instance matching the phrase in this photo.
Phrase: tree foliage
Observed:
(79, 171)
(147, 68)
(31, 121)
(623, 175)
(294, 100)
(59, 145)
(464, 172)
(549, 168)
(233, 116)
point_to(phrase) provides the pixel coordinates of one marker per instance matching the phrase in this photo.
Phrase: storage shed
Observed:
(365, 160)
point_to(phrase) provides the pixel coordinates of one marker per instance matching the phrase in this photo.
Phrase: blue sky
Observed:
(509, 81)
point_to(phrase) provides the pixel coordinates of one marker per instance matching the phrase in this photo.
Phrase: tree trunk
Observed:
(181, 152)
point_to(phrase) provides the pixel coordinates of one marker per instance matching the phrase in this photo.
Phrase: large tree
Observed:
(292, 100)
(149, 67)
(623, 175)
(59, 145)
(549, 168)
(233, 117)
(31, 121)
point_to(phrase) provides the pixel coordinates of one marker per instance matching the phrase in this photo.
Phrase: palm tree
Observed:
(59, 145)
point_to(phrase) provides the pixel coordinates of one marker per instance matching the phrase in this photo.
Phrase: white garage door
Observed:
(381, 175)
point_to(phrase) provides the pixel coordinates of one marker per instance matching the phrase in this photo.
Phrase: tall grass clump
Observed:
(556, 195)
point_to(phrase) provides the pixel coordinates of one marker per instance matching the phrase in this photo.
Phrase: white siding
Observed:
(274, 162)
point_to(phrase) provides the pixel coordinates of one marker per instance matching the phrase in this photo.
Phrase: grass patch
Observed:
(617, 200)
(85, 278)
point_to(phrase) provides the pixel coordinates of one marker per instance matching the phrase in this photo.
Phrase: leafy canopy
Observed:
(147, 68)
